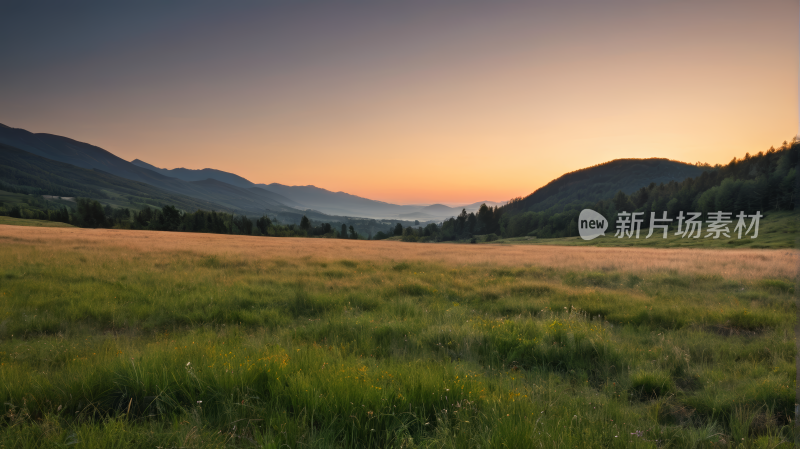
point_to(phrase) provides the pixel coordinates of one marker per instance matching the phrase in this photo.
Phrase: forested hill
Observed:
(603, 181)
(24, 172)
(763, 182)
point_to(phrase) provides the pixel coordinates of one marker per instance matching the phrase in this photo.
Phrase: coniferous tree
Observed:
(263, 224)
(90, 214)
(170, 218)
(485, 219)
(243, 225)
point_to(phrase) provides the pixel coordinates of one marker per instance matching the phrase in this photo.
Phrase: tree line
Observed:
(90, 213)
(60, 214)
(169, 218)
(464, 226)
(761, 182)
(33, 208)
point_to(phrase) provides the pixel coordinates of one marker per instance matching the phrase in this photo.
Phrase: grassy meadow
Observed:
(112, 338)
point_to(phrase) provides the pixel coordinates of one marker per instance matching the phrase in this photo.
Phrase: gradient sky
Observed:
(406, 101)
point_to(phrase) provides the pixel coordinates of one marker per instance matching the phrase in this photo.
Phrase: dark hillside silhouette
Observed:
(604, 180)
(762, 182)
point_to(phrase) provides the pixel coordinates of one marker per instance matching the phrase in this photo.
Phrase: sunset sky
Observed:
(406, 101)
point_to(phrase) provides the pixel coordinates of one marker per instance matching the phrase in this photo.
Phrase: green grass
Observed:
(103, 346)
(29, 222)
(776, 230)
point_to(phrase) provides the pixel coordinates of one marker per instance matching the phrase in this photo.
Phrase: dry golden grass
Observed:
(729, 263)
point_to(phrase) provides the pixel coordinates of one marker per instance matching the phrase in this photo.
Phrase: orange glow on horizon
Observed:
(475, 104)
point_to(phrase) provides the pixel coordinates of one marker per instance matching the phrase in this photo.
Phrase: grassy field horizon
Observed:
(778, 230)
(118, 338)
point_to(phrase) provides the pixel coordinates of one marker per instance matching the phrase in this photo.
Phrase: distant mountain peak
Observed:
(144, 164)
(190, 174)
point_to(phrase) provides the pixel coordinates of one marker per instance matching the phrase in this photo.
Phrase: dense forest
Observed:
(762, 182)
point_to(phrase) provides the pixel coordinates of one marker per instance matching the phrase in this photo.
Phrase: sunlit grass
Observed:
(109, 340)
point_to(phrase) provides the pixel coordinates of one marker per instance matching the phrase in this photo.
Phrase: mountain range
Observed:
(53, 164)
(227, 191)
(322, 200)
